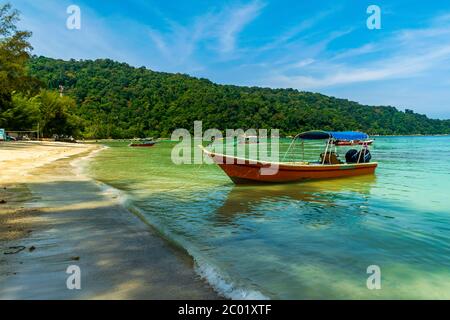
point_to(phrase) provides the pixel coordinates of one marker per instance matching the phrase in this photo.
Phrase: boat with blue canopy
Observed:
(289, 169)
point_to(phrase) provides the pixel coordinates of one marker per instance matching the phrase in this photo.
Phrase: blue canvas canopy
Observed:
(343, 135)
(349, 135)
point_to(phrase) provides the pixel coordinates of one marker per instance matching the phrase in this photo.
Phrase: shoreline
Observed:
(217, 279)
(93, 141)
(62, 218)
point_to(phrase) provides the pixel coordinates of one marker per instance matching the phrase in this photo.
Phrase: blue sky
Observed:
(321, 46)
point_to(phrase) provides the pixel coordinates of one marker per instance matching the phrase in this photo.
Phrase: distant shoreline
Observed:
(284, 137)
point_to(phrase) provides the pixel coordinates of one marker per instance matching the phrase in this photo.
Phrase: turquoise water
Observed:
(311, 240)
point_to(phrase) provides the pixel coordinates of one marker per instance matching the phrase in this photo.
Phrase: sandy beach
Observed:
(52, 216)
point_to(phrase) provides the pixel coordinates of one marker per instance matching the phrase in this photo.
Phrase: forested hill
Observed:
(117, 100)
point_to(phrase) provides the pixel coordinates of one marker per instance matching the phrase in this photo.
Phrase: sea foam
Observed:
(218, 279)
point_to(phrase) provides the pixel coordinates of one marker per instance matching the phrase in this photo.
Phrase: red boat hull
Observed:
(241, 171)
(352, 143)
(142, 144)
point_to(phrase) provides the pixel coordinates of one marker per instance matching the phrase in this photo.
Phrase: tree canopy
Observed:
(117, 100)
(23, 102)
(14, 52)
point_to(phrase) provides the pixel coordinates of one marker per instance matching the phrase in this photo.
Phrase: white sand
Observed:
(62, 218)
(17, 159)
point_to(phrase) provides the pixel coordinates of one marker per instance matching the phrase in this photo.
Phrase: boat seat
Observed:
(330, 158)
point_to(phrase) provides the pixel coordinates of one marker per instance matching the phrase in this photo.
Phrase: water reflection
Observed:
(307, 198)
(309, 240)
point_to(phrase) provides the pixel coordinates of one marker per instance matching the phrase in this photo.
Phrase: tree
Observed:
(14, 54)
(23, 114)
(56, 116)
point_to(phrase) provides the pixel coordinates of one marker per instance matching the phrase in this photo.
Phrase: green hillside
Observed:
(117, 100)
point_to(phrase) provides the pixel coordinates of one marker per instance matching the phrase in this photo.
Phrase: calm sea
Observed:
(311, 240)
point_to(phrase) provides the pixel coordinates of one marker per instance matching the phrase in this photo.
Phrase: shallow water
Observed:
(310, 240)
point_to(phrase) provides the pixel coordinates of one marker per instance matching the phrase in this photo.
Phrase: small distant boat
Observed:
(248, 139)
(142, 144)
(357, 162)
(352, 142)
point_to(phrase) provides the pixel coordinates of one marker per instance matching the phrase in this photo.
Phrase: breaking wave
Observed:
(216, 278)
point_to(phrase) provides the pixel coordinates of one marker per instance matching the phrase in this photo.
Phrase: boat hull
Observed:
(141, 145)
(243, 171)
(353, 143)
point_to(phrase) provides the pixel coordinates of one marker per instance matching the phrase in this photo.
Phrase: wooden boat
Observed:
(248, 139)
(142, 144)
(242, 171)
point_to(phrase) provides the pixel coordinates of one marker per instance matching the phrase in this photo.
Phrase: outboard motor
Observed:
(353, 155)
(350, 155)
(365, 156)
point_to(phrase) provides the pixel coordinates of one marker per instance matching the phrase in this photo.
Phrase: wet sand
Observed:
(55, 217)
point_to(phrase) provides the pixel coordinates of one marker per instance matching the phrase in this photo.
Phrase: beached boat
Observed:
(357, 162)
(142, 144)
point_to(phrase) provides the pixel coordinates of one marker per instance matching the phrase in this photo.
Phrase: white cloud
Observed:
(303, 63)
(406, 53)
(354, 52)
(384, 69)
(52, 38)
(235, 21)
(217, 31)
(296, 31)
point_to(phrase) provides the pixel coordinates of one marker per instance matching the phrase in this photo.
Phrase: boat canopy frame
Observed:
(330, 136)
